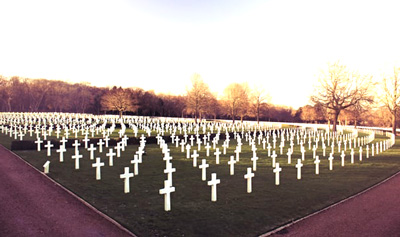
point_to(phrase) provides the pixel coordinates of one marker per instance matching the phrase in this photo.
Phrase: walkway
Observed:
(33, 205)
(375, 212)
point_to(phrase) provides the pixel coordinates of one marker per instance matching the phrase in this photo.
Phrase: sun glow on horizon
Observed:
(281, 45)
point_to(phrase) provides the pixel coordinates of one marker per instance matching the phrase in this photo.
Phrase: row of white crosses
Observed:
(214, 181)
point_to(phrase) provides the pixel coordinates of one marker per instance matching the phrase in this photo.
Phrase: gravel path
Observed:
(33, 205)
(375, 212)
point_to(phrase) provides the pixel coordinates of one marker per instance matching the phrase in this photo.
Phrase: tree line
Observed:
(342, 96)
(19, 94)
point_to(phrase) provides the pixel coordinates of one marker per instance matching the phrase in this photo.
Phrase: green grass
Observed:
(236, 213)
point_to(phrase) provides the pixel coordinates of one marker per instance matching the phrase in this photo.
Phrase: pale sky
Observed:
(279, 45)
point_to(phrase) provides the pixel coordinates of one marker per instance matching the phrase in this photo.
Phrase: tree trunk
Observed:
(120, 114)
(258, 114)
(233, 116)
(394, 122)
(335, 118)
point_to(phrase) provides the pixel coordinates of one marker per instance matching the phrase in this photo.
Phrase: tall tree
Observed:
(118, 99)
(391, 98)
(244, 102)
(234, 97)
(258, 97)
(340, 89)
(198, 96)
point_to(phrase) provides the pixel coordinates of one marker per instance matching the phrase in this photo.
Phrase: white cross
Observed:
(289, 155)
(169, 170)
(276, 171)
(194, 156)
(352, 156)
(303, 151)
(213, 183)
(199, 144)
(100, 144)
(183, 145)
(298, 166)
(61, 150)
(254, 159)
(217, 153)
(215, 142)
(77, 156)
(314, 151)
(86, 140)
(281, 148)
(126, 177)
(63, 141)
(208, 149)
(330, 161)
(360, 151)
(76, 145)
(231, 163)
(166, 191)
(140, 153)
(135, 161)
(367, 151)
(118, 149)
(187, 151)
(111, 155)
(274, 155)
(38, 142)
(249, 177)
(225, 145)
(316, 162)
(106, 139)
(48, 146)
(98, 165)
(91, 150)
(203, 168)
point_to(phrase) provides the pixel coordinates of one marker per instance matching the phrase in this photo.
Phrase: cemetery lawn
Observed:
(236, 213)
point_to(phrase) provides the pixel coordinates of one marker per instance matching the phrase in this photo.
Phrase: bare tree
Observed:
(340, 89)
(244, 102)
(118, 99)
(258, 97)
(391, 97)
(235, 98)
(198, 96)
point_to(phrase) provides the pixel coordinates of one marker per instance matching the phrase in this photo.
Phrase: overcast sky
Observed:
(280, 45)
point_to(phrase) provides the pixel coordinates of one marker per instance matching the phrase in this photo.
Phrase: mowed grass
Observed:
(236, 213)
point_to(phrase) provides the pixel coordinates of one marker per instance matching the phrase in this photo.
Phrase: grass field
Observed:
(236, 213)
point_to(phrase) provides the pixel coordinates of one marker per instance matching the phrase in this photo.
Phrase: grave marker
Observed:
(166, 191)
(46, 167)
(213, 183)
(277, 170)
(298, 166)
(203, 168)
(126, 176)
(249, 176)
(98, 165)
